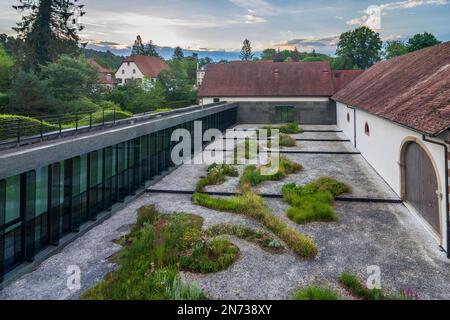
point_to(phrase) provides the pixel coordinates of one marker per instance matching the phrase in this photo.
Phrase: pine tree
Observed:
(295, 55)
(246, 52)
(48, 29)
(178, 54)
(138, 47)
(150, 50)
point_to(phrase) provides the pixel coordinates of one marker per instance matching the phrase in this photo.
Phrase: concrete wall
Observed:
(307, 110)
(310, 112)
(382, 149)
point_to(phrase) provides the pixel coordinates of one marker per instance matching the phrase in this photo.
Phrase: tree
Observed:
(150, 50)
(138, 47)
(342, 63)
(268, 54)
(6, 64)
(178, 54)
(70, 79)
(205, 61)
(178, 81)
(279, 57)
(421, 41)
(48, 30)
(30, 96)
(295, 55)
(394, 49)
(246, 51)
(361, 46)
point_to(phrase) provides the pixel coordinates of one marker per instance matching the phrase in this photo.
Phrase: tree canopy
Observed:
(362, 47)
(6, 64)
(48, 30)
(246, 51)
(178, 53)
(421, 41)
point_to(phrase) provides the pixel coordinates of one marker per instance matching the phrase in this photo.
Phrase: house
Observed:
(106, 76)
(200, 76)
(397, 114)
(276, 91)
(140, 67)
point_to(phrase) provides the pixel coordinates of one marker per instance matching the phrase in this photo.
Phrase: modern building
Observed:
(277, 91)
(106, 76)
(144, 68)
(398, 115)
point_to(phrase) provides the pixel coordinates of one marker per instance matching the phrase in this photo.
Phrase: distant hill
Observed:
(106, 59)
(166, 52)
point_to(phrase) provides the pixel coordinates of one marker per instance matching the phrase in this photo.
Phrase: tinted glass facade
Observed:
(39, 207)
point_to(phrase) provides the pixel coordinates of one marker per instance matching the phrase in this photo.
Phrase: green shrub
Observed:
(81, 105)
(97, 117)
(258, 237)
(216, 175)
(4, 100)
(314, 201)
(109, 105)
(336, 188)
(252, 175)
(157, 247)
(287, 141)
(28, 126)
(316, 292)
(210, 256)
(249, 150)
(252, 205)
(291, 128)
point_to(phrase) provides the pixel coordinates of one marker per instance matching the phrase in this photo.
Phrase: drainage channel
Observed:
(298, 151)
(272, 196)
(298, 139)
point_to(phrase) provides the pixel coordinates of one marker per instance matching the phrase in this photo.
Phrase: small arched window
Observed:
(367, 129)
(348, 117)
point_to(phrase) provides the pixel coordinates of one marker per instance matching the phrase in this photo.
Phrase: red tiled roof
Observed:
(341, 78)
(106, 76)
(149, 66)
(267, 79)
(412, 90)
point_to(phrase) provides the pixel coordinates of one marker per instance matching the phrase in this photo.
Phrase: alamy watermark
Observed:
(230, 148)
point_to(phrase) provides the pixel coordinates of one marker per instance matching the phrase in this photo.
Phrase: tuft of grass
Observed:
(316, 292)
(252, 176)
(291, 128)
(253, 206)
(258, 237)
(287, 141)
(357, 289)
(314, 201)
(216, 175)
(158, 246)
(210, 256)
(249, 147)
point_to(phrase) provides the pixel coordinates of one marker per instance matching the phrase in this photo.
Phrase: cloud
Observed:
(372, 15)
(254, 6)
(324, 44)
(252, 18)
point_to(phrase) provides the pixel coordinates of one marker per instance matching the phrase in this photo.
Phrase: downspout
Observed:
(424, 138)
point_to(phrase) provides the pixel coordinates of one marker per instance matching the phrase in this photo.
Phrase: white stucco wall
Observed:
(126, 72)
(383, 146)
(207, 100)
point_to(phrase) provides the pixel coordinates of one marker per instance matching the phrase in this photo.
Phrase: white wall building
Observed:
(140, 67)
(400, 124)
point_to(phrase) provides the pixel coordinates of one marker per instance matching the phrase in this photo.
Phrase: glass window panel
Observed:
(83, 173)
(41, 190)
(12, 199)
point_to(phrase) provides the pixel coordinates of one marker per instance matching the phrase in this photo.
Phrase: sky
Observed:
(224, 24)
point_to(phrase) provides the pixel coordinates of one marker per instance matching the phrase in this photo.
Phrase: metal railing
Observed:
(18, 130)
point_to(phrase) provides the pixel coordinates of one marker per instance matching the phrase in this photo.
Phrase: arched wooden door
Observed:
(421, 184)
